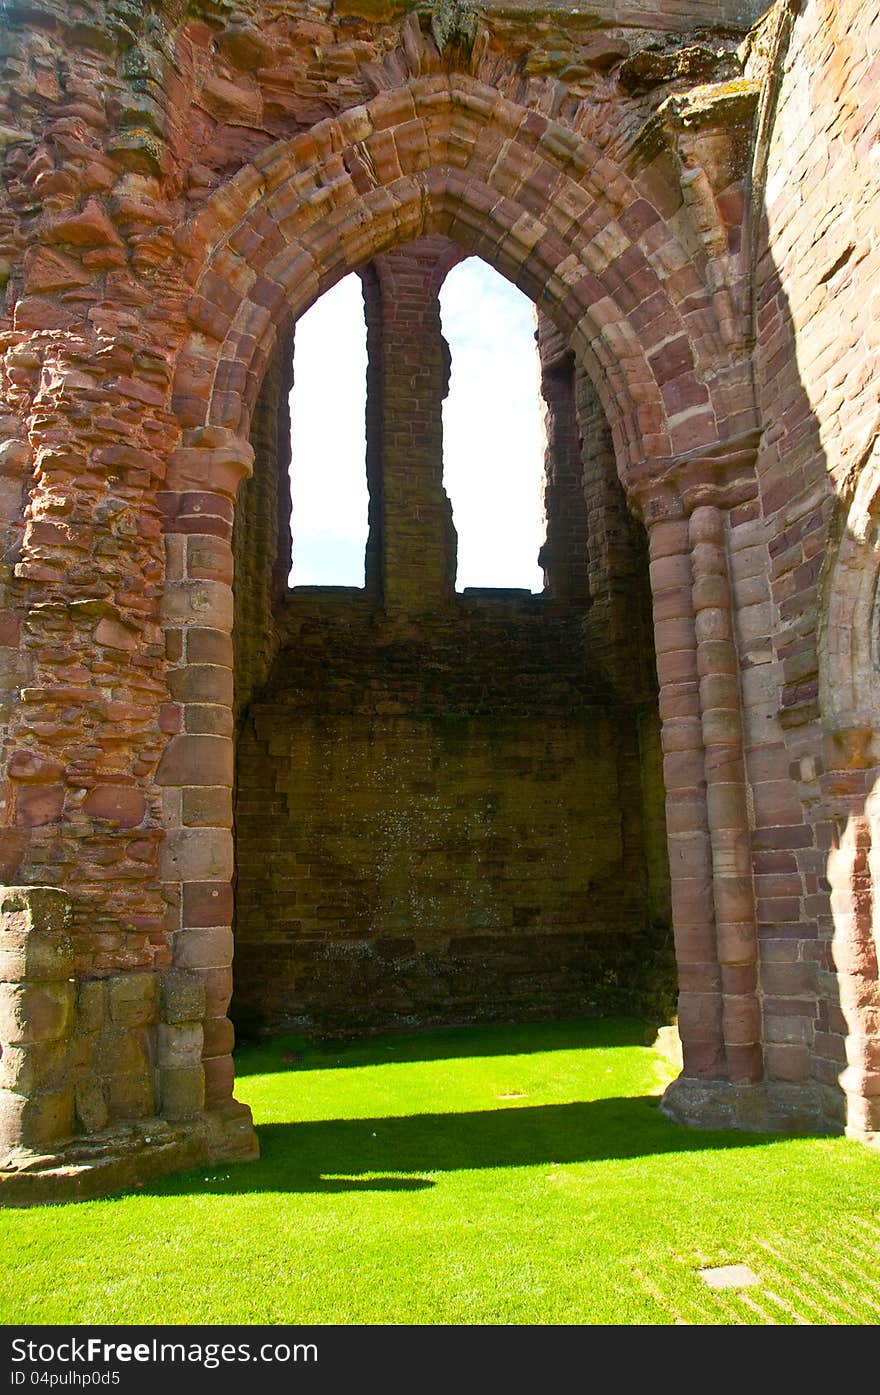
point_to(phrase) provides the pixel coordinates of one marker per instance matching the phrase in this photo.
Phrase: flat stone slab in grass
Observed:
(729, 1276)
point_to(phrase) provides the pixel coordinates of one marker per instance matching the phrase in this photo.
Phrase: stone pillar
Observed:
(684, 774)
(37, 994)
(197, 768)
(686, 507)
(564, 555)
(727, 807)
(849, 1059)
(417, 534)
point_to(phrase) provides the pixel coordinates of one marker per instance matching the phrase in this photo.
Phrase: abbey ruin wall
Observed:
(688, 193)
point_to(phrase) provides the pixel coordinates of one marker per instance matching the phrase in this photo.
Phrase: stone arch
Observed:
(543, 206)
(653, 329)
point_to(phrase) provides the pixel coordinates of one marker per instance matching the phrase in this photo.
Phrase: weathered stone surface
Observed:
(42, 1121)
(181, 1091)
(179, 1046)
(133, 999)
(694, 210)
(91, 1107)
(35, 1012)
(182, 996)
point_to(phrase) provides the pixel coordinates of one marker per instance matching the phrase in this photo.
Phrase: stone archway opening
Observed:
(449, 806)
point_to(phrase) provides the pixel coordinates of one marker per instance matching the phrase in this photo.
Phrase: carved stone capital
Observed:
(720, 476)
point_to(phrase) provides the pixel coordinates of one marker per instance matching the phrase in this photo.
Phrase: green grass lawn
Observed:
(479, 1175)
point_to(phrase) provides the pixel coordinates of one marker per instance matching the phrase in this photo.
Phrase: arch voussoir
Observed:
(541, 203)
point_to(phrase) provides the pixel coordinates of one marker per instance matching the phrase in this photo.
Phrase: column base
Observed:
(127, 1156)
(871, 1137)
(770, 1106)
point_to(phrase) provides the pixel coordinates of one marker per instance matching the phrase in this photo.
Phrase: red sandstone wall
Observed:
(817, 303)
(443, 821)
(111, 146)
(126, 164)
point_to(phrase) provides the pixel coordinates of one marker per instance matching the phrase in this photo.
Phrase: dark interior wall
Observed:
(442, 823)
(449, 809)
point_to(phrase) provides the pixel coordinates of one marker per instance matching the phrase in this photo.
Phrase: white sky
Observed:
(493, 440)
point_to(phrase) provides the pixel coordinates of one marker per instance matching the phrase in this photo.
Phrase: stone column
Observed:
(849, 1058)
(197, 768)
(685, 507)
(417, 534)
(726, 802)
(37, 995)
(684, 774)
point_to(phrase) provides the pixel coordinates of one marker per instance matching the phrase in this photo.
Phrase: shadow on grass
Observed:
(440, 1044)
(353, 1155)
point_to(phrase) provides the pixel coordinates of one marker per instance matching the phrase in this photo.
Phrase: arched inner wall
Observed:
(448, 808)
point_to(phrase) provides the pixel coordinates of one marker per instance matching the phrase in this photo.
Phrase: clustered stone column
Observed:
(197, 768)
(706, 794)
(684, 774)
(726, 806)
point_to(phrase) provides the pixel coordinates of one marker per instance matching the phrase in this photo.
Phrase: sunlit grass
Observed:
(493, 1175)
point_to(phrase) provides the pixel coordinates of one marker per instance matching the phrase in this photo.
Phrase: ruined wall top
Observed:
(663, 15)
(631, 14)
(635, 14)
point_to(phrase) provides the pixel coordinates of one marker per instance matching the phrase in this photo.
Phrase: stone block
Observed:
(203, 948)
(182, 997)
(92, 1113)
(209, 719)
(207, 604)
(207, 903)
(219, 1037)
(197, 760)
(29, 1069)
(133, 999)
(39, 1012)
(209, 647)
(207, 806)
(181, 1091)
(179, 1045)
(218, 991)
(118, 804)
(43, 908)
(219, 1080)
(202, 683)
(37, 805)
(209, 559)
(197, 855)
(43, 1122)
(790, 1062)
(31, 956)
(91, 1005)
(121, 1051)
(130, 1096)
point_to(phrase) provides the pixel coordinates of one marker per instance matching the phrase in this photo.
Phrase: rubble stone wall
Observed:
(442, 823)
